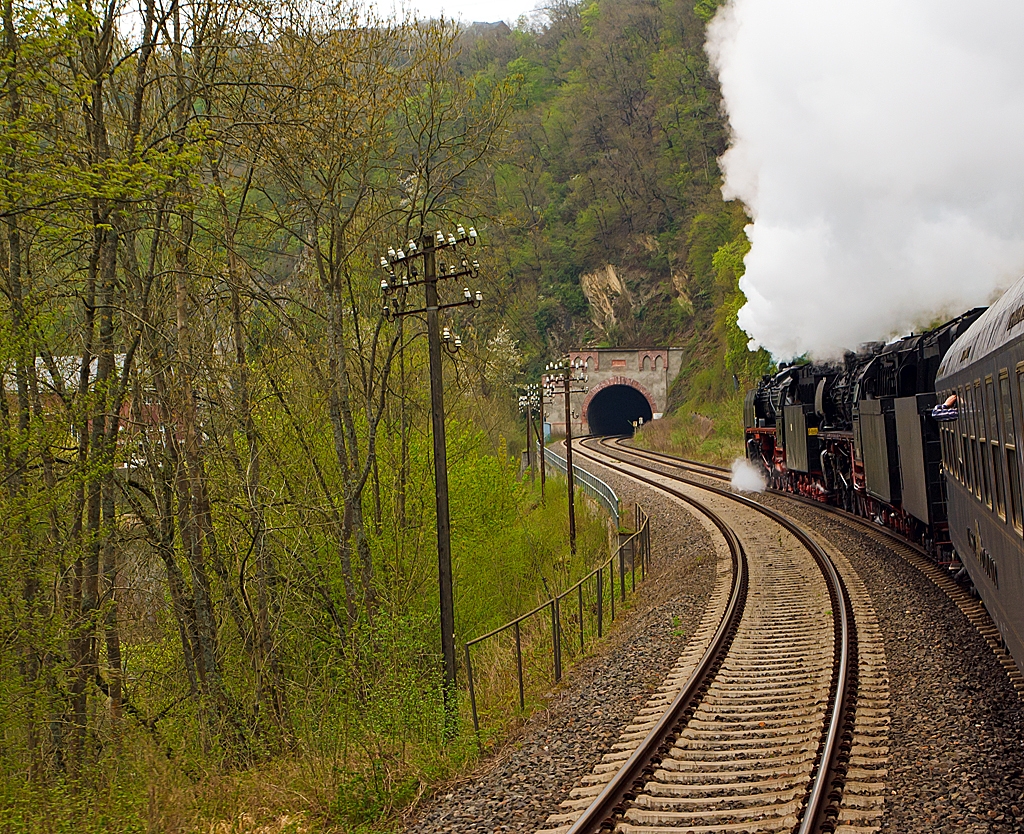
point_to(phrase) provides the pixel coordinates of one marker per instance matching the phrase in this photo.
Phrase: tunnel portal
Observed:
(613, 410)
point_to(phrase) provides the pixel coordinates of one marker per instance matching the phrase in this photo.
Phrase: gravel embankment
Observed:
(957, 735)
(519, 785)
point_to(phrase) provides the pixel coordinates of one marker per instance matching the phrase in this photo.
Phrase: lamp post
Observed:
(564, 373)
(402, 272)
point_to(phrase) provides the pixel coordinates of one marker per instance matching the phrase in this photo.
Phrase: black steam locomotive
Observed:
(923, 435)
(859, 434)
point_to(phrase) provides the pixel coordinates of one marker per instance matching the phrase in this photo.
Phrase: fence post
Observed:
(640, 548)
(556, 640)
(579, 589)
(633, 559)
(472, 693)
(622, 573)
(611, 584)
(647, 538)
(519, 666)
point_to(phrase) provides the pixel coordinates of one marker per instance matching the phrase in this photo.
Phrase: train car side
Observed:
(924, 435)
(982, 442)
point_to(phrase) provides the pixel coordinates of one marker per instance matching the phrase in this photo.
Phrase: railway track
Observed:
(756, 728)
(913, 554)
(680, 465)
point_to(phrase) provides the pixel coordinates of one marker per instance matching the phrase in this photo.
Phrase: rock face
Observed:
(679, 283)
(616, 293)
(605, 291)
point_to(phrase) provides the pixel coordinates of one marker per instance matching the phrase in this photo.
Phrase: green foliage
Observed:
(700, 429)
(252, 551)
(705, 9)
(746, 365)
(614, 163)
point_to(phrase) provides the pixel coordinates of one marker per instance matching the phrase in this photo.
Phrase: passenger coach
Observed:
(982, 436)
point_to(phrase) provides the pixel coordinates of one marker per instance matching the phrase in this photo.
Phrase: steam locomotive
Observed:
(923, 435)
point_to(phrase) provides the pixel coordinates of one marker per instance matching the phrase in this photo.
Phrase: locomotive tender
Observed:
(924, 435)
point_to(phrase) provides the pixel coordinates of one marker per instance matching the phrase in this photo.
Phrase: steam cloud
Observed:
(746, 477)
(878, 147)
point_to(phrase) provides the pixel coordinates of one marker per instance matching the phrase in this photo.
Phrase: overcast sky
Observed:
(470, 11)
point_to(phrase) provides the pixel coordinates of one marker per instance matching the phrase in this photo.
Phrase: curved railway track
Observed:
(912, 553)
(754, 728)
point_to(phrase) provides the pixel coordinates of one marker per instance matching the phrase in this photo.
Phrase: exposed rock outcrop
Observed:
(605, 291)
(680, 280)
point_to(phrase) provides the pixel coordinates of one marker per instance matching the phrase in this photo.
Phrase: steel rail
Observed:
(629, 779)
(825, 791)
(708, 470)
(830, 509)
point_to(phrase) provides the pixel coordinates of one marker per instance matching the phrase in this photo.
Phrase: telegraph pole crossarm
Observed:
(528, 401)
(533, 398)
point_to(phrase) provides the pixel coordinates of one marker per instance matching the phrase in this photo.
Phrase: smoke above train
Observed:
(877, 147)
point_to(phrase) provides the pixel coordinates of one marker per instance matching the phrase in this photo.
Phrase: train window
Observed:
(1006, 399)
(972, 447)
(955, 456)
(965, 448)
(949, 448)
(972, 426)
(994, 456)
(990, 409)
(997, 480)
(1013, 508)
(961, 424)
(984, 472)
(980, 451)
(1011, 431)
(979, 409)
(958, 458)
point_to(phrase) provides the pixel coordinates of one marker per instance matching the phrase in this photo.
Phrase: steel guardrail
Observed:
(590, 484)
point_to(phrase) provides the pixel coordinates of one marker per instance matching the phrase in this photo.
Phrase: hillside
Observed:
(607, 206)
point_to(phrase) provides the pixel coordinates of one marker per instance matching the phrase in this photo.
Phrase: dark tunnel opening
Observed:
(613, 410)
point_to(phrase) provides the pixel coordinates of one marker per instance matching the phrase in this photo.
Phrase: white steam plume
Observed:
(878, 146)
(746, 477)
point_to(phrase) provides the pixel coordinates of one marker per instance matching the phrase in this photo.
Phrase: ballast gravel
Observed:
(518, 785)
(957, 734)
(956, 740)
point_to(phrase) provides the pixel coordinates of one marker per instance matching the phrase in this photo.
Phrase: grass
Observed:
(711, 432)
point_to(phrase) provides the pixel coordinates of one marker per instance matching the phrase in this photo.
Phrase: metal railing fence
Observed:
(561, 625)
(590, 484)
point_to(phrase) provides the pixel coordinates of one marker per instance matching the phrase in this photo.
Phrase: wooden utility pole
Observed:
(444, 540)
(567, 372)
(566, 380)
(399, 267)
(541, 442)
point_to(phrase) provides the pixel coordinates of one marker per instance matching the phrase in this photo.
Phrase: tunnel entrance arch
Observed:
(613, 406)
